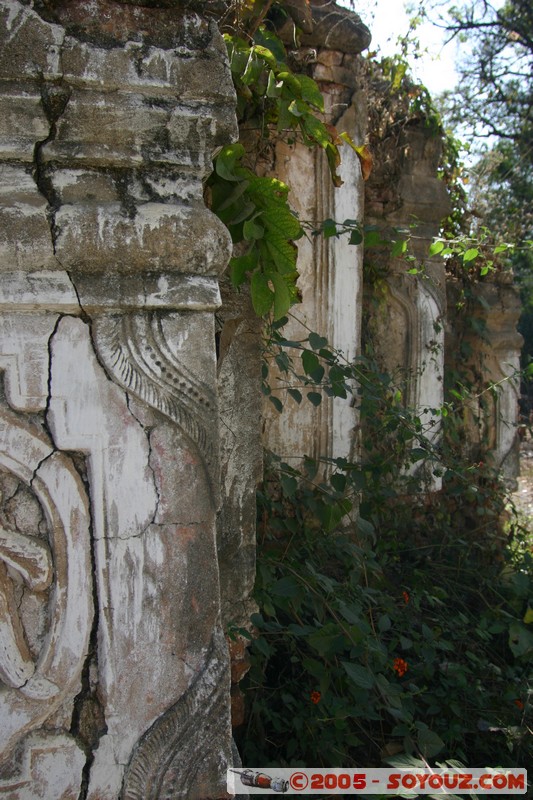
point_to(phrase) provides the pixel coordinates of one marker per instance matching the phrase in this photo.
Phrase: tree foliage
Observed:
(491, 108)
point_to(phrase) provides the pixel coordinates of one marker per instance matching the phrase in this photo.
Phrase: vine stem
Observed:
(260, 18)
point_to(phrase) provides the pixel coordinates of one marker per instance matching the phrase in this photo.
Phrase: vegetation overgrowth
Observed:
(394, 619)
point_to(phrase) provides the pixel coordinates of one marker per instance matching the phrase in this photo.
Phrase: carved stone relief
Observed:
(138, 352)
(330, 272)
(45, 584)
(111, 645)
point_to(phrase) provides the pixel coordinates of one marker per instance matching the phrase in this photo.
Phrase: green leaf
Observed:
(363, 154)
(399, 248)
(436, 248)
(334, 159)
(360, 675)
(470, 254)
(365, 527)
(285, 119)
(291, 84)
(356, 237)
(276, 402)
(253, 69)
(310, 362)
(281, 226)
(329, 228)
(316, 341)
(285, 587)
(226, 162)
(282, 298)
(316, 130)
(418, 454)
(300, 630)
(273, 87)
(325, 642)
(262, 645)
(263, 36)
(384, 623)
(266, 54)
(295, 394)
(313, 667)
(315, 398)
(252, 230)
(311, 93)
(429, 743)
(520, 640)
(298, 108)
(338, 386)
(236, 214)
(352, 614)
(233, 196)
(373, 239)
(332, 513)
(240, 265)
(289, 484)
(262, 294)
(338, 481)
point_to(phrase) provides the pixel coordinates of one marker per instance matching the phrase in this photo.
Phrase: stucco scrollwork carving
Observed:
(31, 559)
(138, 354)
(46, 606)
(167, 761)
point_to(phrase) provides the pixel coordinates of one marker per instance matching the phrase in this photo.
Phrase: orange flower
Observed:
(315, 697)
(519, 704)
(406, 597)
(400, 667)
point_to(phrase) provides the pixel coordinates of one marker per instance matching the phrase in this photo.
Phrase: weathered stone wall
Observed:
(412, 323)
(368, 303)
(330, 270)
(114, 670)
(483, 343)
(404, 313)
(130, 407)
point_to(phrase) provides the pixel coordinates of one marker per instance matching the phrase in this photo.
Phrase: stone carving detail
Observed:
(31, 560)
(56, 573)
(136, 353)
(164, 765)
(108, 284)
(50, 766)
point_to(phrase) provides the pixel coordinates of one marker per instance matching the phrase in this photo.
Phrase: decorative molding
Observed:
(49, 765)
(54, 674)
(136, 353)
(171, 756)
(57, 290)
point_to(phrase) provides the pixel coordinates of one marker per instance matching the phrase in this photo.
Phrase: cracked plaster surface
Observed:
(102, 204)
(87, 146)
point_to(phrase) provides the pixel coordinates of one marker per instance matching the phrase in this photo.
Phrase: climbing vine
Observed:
(273, 102)
(393, 620)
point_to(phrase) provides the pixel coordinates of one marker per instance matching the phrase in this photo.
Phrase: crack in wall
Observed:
(49, 378)
(147, 431)
(88, 723)
(83, 314)
(55, 97)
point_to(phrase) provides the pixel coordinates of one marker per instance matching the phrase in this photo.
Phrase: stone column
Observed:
(483, 344)
(406, 313)
(330, 270)
(114, 674)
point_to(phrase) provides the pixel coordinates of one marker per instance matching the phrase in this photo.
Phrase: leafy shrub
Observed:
(398, 628)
